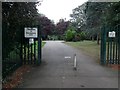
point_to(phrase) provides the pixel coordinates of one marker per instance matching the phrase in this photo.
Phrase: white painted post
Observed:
(75, 62)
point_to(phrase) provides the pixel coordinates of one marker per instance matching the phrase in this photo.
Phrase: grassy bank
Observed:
(87, 47)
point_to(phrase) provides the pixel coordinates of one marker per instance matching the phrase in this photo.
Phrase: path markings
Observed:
(67, 57)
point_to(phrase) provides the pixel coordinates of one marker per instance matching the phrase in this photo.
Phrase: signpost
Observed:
(31, 41)
(31, 33)
(110, 45)
(112, 34)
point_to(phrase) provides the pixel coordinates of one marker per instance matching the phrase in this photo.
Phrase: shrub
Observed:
(70, 34)
(77, 37)
(82, 36)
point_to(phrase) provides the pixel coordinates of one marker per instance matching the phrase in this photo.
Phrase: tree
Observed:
(47, 26)
(61, 27)
(70, 34)
(14, 16)
(78, 17)
(114, 13)
(99, 14)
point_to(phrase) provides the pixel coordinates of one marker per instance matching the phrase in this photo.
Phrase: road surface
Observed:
(56, 70)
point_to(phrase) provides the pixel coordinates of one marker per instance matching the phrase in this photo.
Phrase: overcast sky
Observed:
(57, 9)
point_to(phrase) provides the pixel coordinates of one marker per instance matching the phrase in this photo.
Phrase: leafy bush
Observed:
(70, 34)
(61, 37)
(82, 36)
(77, 37)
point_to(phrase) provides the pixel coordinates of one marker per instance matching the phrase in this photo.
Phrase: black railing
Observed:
(11, 63)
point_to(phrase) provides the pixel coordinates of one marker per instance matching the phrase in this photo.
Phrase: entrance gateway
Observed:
(110, 45)
(31, 46)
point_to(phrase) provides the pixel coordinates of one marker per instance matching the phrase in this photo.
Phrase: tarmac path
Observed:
(56, 70)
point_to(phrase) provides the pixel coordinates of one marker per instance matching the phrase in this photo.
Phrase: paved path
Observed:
(56, 71)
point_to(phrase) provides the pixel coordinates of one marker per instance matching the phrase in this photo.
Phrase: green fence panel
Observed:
(110, 45)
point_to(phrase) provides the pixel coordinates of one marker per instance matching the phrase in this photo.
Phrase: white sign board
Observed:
(31, 41)
(112, 34)
(31, 32)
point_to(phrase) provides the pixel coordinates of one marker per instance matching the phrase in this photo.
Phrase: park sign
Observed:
(31, 40)
(112, 34)
(30, 32)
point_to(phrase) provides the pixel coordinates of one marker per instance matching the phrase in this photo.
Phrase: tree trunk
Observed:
(92, 38)
(98, 38)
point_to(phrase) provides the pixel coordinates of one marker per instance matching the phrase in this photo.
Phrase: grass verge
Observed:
(90, 48)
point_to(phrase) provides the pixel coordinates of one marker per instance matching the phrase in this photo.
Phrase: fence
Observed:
(11, 62)
(30, 52)
(110, 45)
(22, 52)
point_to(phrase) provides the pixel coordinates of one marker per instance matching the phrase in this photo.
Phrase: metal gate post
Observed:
(103, 46)
(34, 51)
(21, 46)
(118, 44)
(39, 45)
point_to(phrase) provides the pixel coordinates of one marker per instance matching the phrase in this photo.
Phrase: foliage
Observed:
(82, 36)
(92, 16)
(70, 34)
(46, 25)
(52, 37)
(102, 13)
(14, 17)
(61, 27)
(113, 18)
(78, 17)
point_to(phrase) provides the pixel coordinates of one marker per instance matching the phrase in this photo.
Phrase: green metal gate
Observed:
(110, 45)
(31, 48)
(21, 54)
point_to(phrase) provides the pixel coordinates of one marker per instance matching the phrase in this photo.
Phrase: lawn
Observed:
(90, 48)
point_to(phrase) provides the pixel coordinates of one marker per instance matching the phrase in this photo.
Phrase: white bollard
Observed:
(75, 62)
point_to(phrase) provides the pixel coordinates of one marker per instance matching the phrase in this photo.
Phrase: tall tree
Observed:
(15, 15)
(99, 14)
(61, 27)
(47, 26)
(95, 13)
(78, 16)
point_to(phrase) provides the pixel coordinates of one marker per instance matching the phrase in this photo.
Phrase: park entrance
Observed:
(110, 45)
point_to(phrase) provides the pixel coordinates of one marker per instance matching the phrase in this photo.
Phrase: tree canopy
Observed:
(14, 16)
(46, 25)
(91, 16)
(61, 27)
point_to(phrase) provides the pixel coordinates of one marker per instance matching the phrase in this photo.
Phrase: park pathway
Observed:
(56, 70)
